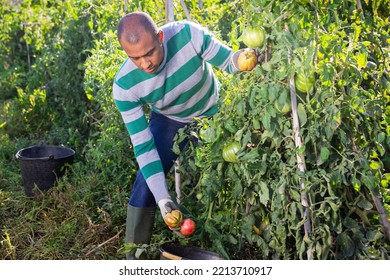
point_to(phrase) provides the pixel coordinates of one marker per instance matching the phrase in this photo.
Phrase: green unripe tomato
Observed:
(229, 152)
(253, 36)
(303, 2)
(304, 83)
(283, 108)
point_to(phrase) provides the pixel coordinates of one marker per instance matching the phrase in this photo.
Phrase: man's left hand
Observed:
(166, 206)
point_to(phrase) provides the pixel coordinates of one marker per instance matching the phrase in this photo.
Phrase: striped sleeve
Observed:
(211, 49)
(143, 143)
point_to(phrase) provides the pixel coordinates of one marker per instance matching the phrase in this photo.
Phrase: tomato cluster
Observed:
(174, 220)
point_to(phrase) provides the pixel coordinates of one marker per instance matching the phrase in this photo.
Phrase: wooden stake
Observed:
(185, 9)
(169, 16)
(177, 180)
(300, 159)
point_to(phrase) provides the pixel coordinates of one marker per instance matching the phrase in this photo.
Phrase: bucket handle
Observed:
(171, 256)
(43, 144)
(50, 157)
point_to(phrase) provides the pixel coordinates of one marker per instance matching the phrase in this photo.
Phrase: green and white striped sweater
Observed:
(184, 87)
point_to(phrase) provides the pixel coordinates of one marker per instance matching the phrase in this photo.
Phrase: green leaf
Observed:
(241, 108)
(335, 207)
(176, 148)
(128, 248)
(351, 223)
(271, 110)
(264, 193)
(381, 137)
(273, 93)
(266, 120)
(356, 184)
(232, 239)
(283, 97)
(295, 195)
(371, 182)
(256, 124)
(251, 155)
(380, 149)
(302, 114)
(362, 60)
(347, 247)
(329, 132)
(238, 135)
(365, 204)
(324, 155)
(375, 165)
(139, 252)
(229, 125)
(267, 66)
(237, 190)
(374, 235)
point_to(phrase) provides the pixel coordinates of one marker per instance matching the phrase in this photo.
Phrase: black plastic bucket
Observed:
(42, 165)
(171, 251)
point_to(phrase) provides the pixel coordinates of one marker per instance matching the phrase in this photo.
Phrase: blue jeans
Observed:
(164, 131)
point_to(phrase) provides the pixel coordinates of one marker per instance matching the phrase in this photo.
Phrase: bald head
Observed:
(132, 26)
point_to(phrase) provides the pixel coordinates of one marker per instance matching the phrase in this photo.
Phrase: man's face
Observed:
(148, 53)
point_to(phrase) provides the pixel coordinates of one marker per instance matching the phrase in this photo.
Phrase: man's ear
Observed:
(160, 36)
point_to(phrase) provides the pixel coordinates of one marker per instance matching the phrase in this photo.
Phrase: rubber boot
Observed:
(139, 226)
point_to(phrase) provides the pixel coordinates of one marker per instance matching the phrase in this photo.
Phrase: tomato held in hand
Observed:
(187, 227)
(247, 60)
(173, 219)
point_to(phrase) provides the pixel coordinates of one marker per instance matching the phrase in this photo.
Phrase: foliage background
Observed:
(57, 63)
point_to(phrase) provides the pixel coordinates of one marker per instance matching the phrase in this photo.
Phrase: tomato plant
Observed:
(341, 122)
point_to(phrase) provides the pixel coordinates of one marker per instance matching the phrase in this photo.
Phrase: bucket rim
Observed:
(164, 250)
(19, 156)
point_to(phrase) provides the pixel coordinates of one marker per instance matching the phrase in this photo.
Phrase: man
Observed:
(168, 69)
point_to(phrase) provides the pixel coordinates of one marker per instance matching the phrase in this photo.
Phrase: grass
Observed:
(81, 217)
(59, 224)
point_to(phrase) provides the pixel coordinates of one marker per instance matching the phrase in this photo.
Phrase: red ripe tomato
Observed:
(187, 227)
